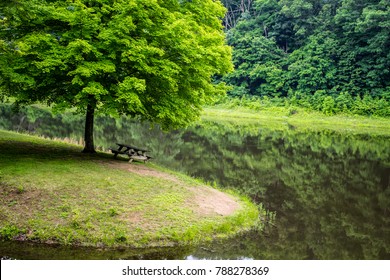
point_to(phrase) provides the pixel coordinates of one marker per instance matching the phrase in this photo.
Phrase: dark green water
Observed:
(329, 191)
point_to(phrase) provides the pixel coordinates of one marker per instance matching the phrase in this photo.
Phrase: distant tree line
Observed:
(327, 55)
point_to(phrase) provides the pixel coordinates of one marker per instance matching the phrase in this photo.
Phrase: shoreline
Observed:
(279, 117)
(52, 193)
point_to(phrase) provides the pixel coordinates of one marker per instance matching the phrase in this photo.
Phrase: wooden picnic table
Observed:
(132, 152)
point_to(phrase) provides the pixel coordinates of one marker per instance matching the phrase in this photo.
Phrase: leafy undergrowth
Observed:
(50, 192)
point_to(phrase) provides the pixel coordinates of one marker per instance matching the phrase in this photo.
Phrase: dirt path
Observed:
(205, 201)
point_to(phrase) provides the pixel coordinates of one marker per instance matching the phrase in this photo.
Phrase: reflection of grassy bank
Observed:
(50, 192)
(300, 119)
(325, 182)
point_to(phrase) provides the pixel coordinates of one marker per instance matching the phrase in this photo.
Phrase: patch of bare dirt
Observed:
(143, 170)
(205, 200)
(210, 201)
(23, 203)
(135, 218)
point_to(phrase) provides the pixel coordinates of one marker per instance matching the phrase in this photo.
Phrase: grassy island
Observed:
(52, 193)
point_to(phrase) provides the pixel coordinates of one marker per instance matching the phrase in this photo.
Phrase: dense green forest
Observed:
(327, 55)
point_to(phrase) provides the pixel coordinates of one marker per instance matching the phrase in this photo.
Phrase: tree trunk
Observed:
(88, 134)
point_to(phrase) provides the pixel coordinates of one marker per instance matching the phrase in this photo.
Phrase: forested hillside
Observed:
(328, 55)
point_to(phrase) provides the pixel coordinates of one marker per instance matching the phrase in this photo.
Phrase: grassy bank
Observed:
(299, 118)
(50, 192)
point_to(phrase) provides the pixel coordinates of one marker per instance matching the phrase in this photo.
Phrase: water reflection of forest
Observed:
(330, 190)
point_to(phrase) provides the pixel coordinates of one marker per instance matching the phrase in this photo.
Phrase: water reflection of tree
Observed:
(29, 251)
(162, 146)
(108, 131)
(330, 191)
(41, 122)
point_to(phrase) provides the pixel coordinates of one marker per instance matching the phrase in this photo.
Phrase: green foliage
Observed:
(307, 50)
(328, 105)
(258, 62)
(320, 101)
(112, 212)
(8, 232)
(153, 59)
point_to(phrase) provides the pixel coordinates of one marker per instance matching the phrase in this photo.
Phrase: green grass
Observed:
(299, 118)
(51, 192)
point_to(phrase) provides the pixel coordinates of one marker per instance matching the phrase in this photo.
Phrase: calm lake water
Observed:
(327, 192)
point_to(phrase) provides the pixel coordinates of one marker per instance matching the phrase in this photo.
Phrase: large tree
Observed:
(149, 58)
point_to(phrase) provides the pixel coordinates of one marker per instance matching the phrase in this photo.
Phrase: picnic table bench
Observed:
(132, 152)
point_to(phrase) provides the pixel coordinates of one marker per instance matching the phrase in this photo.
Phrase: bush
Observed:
(317, 100)
(329, 106)
(383, 108)
(344, 102)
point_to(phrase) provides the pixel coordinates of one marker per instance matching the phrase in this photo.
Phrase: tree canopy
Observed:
(311, 50)
(153, 59)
